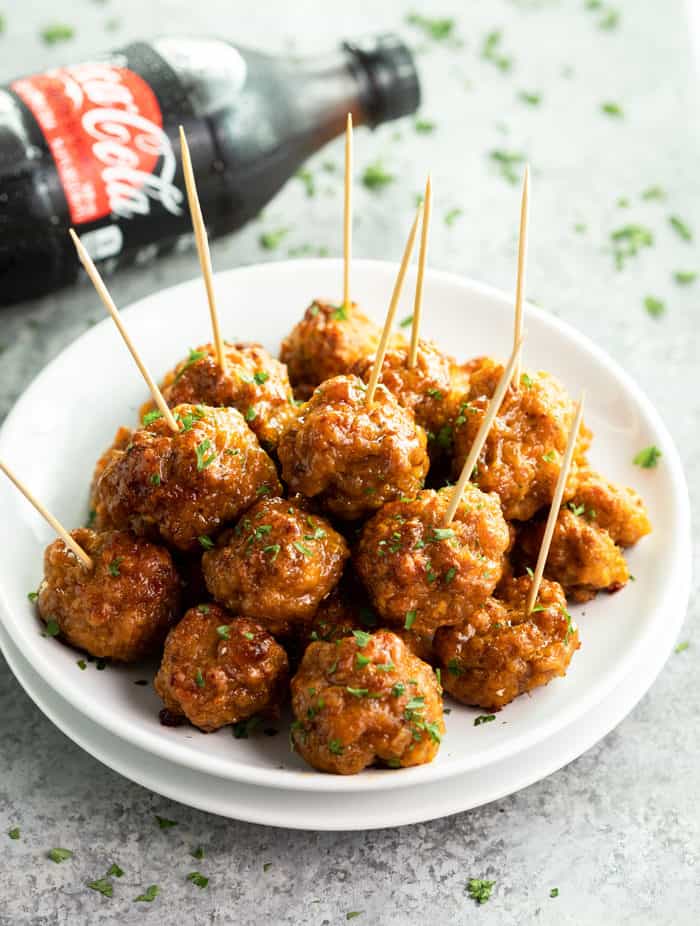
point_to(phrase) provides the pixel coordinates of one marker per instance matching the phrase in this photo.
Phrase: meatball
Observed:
(582, 557)
(420, 575)
(365, 700)
(218, 669)
(424, 388)
(276, 565)
(522, 454)
(350, 456)
(120, 609)
(514, 653)
(120, 443)
(252, 381)
(617, 510)
(182, 487)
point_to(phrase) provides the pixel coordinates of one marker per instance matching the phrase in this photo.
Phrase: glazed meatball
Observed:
(365, 700)
(523, 451)
(120, 609)
(514, 653)
(424, 388)
(350, 456)
(327, 342)
(420, 575)
(182, 487)
(252, 381)
(276, 565)
(218, 669)
(617, 510)
(583, 556)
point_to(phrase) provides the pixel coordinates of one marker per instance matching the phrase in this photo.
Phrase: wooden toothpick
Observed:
(481, 435)
(347, 213)
(391, 312)
(200, 235)
(108, 303)
(522, 258)
(418, 300)
(556, 504)
(47, 516)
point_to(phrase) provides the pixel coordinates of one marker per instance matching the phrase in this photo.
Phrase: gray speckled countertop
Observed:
(617, 831)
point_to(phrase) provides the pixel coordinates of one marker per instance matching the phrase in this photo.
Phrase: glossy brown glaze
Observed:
(187, 485)
(619, 511)
(523, 451)
(252, 381)
(502, 652)
(365, 700)
(123, 607)
(350, 456)
(119, 444)
(218, 669)
(424, 388)
(412, 566)
(276, 565)
(582, 557)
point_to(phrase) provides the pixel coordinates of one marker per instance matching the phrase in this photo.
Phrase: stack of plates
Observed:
(68, 416)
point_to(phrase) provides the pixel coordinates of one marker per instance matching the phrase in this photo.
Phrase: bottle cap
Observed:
(393, 87)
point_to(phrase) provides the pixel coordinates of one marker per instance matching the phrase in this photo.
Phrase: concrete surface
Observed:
(616, 831)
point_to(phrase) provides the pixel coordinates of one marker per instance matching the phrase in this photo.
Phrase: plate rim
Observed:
(303, 780)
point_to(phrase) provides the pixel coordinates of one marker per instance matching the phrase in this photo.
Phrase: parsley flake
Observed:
(261, 377)
(113, 567)
(361, 637)
(102, 886)
(198, 879)
(655, 307)
(51, 629)
(452, 215)
(206, 542)
(375, 177)
(60, 855)
(223, 631)
(406, 322)
(612, 109)
(410, 618)
(680, 226)
(203, 461)
(648, 458)
(164, 823)
(14, 833)
(479, 889)
(483, 718)
(491, 51)
(151, 416)
(149, 895)
(681, 647)
(57, 32)
(193, 357)
(335, 747)
(438, 29)
(114, 871)
(271, 240)
(685, 277)
(508, 163)
(554, 892)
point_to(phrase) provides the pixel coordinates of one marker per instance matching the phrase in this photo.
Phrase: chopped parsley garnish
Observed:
(406, 322)
(267, 866)
(384, 666)
(307, 178)
(432, 27)
(102, 886)
(612, 109)
(223, 631)
(508, 163)
(60, 855)
(610, 20)
(483, 718)
(554, 892)
(198, 853)
(248, 635)
(424, 126)
(251, 413)
(479, 889)
(352, 914)
(155, 479)
(362, 637)
(81, 664)
(441, 533)
(199, 679)
(628, 241)
(655, 307)
(452, 215)
(357, 692)
(550, 456)
(577, 510)
(113, 567)
(532, 99)
(416, 703)
(149, 895)
(14, 833)
(192, 358)
(51, 629)
(302, 549)
(685, 277)
(375, 177)
(151, 416)
(57, 32)
(264, 489)
(648, 458)
(198, 879)
(361, 661)
(491, 51)
(206, 542)
(450, 574)
(272, 548)
(340, 313)
(164, 823)
(32, 596)
(680, 226)
(654, 192)
(271, 240)
(243, 729)
(335, 747)
(681, 647)
(398, 689)
(261, 377)
(114, 871)
(203, 461)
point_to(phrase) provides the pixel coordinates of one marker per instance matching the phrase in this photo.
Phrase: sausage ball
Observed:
(421, 575)
(515, 652)
(617, 510)
(583, 556)
(327, 342)
(522, 455)
(350, 456)
(276, 565)
(424, 388)
(365, 700)
(218, 669)
(182, 487)
(120, 609)
(252, 381)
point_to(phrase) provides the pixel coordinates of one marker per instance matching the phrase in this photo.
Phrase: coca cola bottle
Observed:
(95, 146)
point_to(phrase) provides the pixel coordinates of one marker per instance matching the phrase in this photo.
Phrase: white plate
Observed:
(68, 415)
(329, 811)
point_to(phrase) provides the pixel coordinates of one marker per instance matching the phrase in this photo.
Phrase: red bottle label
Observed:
(104, 127)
